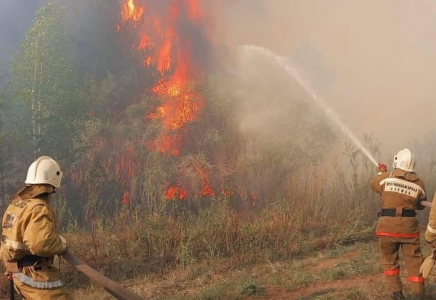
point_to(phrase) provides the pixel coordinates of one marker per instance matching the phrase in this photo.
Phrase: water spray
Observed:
(286, 64)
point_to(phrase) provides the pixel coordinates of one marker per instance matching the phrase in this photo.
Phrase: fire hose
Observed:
(113, 288)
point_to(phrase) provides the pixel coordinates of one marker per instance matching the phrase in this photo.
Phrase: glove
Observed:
(382, 167)
(428, 264)
(64, 243)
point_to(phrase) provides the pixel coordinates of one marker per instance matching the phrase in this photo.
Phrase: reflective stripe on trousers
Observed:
(392, 272)
(42, 285)
(416, 279)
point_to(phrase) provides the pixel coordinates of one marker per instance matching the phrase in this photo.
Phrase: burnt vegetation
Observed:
(159, 172)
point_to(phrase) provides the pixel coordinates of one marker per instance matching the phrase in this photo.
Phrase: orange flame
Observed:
(130, 11)
(165, 48)
(166, 144)
(207, 190)
(175, 192)
(169, 53)
(126, 198)
(195, 12)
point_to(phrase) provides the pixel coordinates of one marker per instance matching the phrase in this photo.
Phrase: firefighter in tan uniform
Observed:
(401, 194)
(29, 239)
(430, 233)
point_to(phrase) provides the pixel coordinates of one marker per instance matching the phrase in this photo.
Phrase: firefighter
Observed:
(29, 239)
(401, 194)
(430, 233)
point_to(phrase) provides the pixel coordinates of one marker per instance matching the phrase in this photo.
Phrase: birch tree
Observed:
(45, 87)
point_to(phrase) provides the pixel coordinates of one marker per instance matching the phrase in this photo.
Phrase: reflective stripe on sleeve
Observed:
(15, 244)
(392, 272)
(416, 279)
(42, 285)
(431, 230)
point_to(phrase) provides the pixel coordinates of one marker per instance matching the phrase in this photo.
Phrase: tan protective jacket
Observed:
(28, 226)
(399, 190)
(430, 233)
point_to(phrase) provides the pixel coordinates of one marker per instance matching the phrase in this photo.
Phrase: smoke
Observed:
(372, 61)
(91, 27)
(15, 18)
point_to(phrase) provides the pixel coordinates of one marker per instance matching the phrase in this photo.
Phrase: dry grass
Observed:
(221, 279)
(131, 245)
(350, 271)
(217, 252)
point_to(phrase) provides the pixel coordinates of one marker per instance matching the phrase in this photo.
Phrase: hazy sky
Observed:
(15, 18)
(372, 61)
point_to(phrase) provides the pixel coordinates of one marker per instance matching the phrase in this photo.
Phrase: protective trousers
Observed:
(389, 247)
(40, 284)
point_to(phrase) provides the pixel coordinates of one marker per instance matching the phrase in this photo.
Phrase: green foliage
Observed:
(48, 110)
(8, 150)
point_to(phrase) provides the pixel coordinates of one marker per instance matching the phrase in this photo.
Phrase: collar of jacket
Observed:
(409, 176)
(42, 191)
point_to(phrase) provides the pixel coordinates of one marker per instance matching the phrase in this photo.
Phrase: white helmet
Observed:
(44, 170)
(404, 160)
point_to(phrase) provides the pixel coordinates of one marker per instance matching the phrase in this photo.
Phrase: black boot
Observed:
(398, 296)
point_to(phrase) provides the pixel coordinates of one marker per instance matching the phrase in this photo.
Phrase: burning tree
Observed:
(165, 35)
(173, 137)
(158, 145)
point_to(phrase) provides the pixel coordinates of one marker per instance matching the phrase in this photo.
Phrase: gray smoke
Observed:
(15, 18)
(372, 61)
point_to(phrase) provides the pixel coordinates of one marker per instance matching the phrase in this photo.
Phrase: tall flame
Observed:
(168, 50)
(130, 11)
